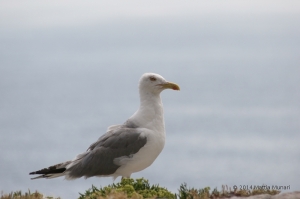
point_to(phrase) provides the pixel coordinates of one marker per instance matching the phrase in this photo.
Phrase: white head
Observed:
(155, 83)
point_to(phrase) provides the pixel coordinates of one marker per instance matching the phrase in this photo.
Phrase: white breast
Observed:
(144, 157)
(149, 118)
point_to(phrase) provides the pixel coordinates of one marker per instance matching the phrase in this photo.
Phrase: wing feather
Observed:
(98, 160)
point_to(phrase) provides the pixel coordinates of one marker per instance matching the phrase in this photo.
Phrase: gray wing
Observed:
(99, 158)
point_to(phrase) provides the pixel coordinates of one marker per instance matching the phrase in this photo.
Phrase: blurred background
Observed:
(69, 69)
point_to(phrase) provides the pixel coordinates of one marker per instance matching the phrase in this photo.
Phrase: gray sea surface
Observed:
(236, 120)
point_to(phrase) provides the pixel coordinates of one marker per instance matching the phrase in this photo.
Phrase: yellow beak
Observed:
(170, 85)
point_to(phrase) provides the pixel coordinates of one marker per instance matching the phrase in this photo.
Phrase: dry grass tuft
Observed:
(26, 195)
(227, 192)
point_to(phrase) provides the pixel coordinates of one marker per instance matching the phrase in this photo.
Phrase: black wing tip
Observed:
(50, 170)
(32, 173)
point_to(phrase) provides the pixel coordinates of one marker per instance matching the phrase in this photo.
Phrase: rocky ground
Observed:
(291, 195)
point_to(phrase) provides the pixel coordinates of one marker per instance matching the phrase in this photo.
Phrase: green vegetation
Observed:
(128, 188)
(140, 189)
(227, 192)
(26, 195)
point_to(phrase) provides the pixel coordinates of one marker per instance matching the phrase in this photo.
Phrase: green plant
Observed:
(192, 193)
(140, 189)
(26, 195)
(128, 188)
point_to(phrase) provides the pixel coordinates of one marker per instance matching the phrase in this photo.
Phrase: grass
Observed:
(140, 188)
(26, 195)
(128, 188)
(226, 192)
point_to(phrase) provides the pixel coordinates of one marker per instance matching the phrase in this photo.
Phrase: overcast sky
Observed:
(47, 14)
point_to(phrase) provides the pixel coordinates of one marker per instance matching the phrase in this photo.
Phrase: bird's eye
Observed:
(153, 79)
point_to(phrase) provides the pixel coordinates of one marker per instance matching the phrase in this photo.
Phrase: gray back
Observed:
(99, 158)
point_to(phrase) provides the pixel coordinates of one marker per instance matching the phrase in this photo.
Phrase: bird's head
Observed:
(155, 83)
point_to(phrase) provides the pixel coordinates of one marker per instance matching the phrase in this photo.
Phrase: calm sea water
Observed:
(236, 120)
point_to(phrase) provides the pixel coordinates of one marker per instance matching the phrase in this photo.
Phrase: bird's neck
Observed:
(151, 105)
(150, 112)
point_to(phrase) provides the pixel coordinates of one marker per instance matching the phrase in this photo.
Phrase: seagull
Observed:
(126, 148)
